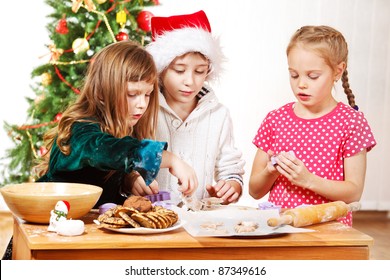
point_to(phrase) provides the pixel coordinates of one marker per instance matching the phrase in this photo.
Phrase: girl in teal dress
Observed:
(106, 135)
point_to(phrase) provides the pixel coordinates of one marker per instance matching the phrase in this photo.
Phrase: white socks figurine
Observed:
(59, 214)
(59, 223)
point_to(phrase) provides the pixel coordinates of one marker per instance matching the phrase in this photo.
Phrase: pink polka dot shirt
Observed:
(320, 143)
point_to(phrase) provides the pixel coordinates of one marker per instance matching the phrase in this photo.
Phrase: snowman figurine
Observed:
(59, 214)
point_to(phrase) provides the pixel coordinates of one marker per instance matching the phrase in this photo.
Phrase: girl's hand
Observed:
(187, 179)
(229, 191)
(293, 169)
(138, 187)
(270, 166)
(263, 174)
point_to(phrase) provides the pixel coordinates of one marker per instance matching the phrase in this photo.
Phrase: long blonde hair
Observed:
(331, 45)
(103, 98)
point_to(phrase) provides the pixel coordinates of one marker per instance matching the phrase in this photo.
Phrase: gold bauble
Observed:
(46, 79)
(101, 1)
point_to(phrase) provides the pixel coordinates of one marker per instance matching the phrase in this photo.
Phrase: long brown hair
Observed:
(103, 97)
(331, 45)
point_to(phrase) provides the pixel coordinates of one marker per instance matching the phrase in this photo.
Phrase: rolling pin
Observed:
(314, 214)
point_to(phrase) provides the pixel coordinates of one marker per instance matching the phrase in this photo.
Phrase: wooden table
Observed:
(330, 241)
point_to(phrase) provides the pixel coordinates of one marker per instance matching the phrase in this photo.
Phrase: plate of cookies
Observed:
(139, 217)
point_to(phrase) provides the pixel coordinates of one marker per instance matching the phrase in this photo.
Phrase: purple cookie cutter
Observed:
(105, 207)
(161, 196)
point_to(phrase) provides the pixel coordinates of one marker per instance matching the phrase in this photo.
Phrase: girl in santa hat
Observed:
(197, 127)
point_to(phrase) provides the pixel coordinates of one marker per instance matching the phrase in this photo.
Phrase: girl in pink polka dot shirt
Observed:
(319, 144)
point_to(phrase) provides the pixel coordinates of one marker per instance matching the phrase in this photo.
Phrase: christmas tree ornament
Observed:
(58, 117)
(62, 27)
(122, 36)
(121, 18)
(46, 79)
(89, 5)
(102, 1)
(55, 53)
(42, 151)
(80, 45)
(76, 4)
(144, 20)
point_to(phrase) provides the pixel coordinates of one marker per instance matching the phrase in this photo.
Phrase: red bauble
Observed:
(62, 27)
(122, 36)
(143, 20)
(42, 151)
(58, 117)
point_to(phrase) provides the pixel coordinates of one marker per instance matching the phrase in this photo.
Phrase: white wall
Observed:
(24, 37)
(254, 34)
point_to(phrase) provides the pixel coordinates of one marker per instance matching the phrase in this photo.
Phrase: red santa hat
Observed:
(61, 205)
(177, 35)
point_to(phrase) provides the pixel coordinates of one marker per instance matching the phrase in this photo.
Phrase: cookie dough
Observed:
(248, 226)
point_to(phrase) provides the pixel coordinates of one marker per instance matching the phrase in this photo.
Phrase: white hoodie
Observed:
(204, 140)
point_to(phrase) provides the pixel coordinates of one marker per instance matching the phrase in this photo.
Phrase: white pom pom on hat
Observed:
(177, 35)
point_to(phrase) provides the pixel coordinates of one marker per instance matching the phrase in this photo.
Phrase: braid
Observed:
(348, 91)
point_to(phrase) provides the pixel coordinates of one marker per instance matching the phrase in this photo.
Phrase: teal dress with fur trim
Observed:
(95, 154)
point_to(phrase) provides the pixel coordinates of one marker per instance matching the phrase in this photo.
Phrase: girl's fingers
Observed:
(154, 187)
(233, 198)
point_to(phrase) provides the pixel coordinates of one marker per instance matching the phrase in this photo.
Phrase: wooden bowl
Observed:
(33, 202)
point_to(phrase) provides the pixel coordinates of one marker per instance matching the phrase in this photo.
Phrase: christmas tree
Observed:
(77, 30)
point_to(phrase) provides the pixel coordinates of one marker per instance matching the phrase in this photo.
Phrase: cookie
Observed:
(128, 219)
(143, 220)
(140, 203)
